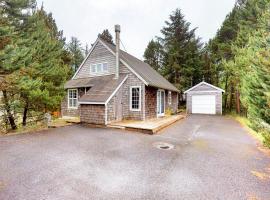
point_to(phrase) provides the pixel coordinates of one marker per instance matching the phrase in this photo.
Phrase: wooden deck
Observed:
(152, 126)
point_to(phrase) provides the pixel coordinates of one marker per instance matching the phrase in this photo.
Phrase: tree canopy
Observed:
(33, 60)
(107, 36)
(177, 54)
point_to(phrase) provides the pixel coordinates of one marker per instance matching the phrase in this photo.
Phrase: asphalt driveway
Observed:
(213, 158)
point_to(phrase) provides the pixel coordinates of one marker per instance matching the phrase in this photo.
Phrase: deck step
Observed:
(116, 126)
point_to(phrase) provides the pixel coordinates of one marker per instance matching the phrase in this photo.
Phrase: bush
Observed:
(169, 111)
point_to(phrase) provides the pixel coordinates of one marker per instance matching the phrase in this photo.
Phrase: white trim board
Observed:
(130, 98)
(114, 92)
(201, 83)
(130, 68)
(77, 99)
(93, 47)
(107, 101)
(91, 103)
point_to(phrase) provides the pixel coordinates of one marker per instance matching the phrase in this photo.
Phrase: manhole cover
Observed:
(163, 145)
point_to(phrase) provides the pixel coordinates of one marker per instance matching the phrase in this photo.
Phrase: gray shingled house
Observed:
(112, 85)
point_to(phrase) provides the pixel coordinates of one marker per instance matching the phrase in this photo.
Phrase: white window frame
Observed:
(164, 99)
(93, 66)
(72, 107)
(170, 98)
(102, 68)
(130, 98)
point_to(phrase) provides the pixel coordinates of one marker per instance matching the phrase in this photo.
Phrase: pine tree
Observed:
(34, 65)
(86, 50)
(107, 36)
(12, 15)
(76, 51)
(183, 66)
(39, 82)
(254, 60)
(153, 55)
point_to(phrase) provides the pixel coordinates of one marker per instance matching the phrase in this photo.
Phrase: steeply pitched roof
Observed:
(148, 74)
(102, 88)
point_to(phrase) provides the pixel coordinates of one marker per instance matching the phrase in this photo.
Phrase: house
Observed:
(204, 98)
(112, 85)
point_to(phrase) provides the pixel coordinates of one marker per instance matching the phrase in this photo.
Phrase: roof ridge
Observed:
(143, 69)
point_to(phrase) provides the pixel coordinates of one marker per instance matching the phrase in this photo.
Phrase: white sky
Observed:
(140, 20)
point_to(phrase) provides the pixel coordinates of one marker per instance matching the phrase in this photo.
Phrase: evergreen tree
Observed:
(76, 51)
(107, 36)
(153, 55)
(86, 50)
(39, 82)
(33, 62)
(183, 66)
(12, 15)
(253, 60)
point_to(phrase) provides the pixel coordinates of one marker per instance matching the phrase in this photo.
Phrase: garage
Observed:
(204, 98)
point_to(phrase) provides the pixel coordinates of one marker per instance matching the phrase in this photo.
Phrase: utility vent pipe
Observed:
(117, 43)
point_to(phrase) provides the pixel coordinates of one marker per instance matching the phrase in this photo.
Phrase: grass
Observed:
(34, 127)
(245, 123)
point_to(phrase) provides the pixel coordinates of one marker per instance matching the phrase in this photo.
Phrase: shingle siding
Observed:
(100, 54)
(204, 87)
(123, 99)
(151, 102)
(93, 114)
(71, 112)
(96, 113)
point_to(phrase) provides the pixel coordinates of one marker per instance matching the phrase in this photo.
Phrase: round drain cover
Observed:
(163, 145)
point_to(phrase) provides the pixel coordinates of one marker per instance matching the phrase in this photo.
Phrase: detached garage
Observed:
(204, 98)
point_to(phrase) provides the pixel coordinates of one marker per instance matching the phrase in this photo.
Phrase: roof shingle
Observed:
(102, 88)
(151, 76)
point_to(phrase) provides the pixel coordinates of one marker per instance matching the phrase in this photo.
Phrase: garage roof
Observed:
(203, 86)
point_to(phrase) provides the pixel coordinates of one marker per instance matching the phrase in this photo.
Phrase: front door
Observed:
(160, 103)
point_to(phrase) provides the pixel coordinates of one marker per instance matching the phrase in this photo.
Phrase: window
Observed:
(99, 68)
(93, 68)
(169, 97)
(135, 98)
(72, 98)
(105, 67)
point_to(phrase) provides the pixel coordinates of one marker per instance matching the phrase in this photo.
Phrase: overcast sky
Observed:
(140, 20)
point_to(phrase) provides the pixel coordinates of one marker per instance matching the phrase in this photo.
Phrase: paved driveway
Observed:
(213, 158)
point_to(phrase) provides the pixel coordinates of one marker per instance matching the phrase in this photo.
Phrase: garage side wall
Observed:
(218, 100)
(93, 114)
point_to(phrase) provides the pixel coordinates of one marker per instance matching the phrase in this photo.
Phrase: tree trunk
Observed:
(237, 96)
(25, 111)
(8, 110)
(226, 94)
(231, 98)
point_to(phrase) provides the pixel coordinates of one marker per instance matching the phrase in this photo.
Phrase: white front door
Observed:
(160, 103)
(204, 104)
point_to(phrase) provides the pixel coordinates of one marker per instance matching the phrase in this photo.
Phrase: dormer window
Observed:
(99, 68)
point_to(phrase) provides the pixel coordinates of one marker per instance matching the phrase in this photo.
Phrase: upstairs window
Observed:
(169, 97)
(135, 98)
(99, 68)
(72, 98)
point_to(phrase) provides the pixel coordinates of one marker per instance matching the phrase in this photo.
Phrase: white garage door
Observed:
(204, 104)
